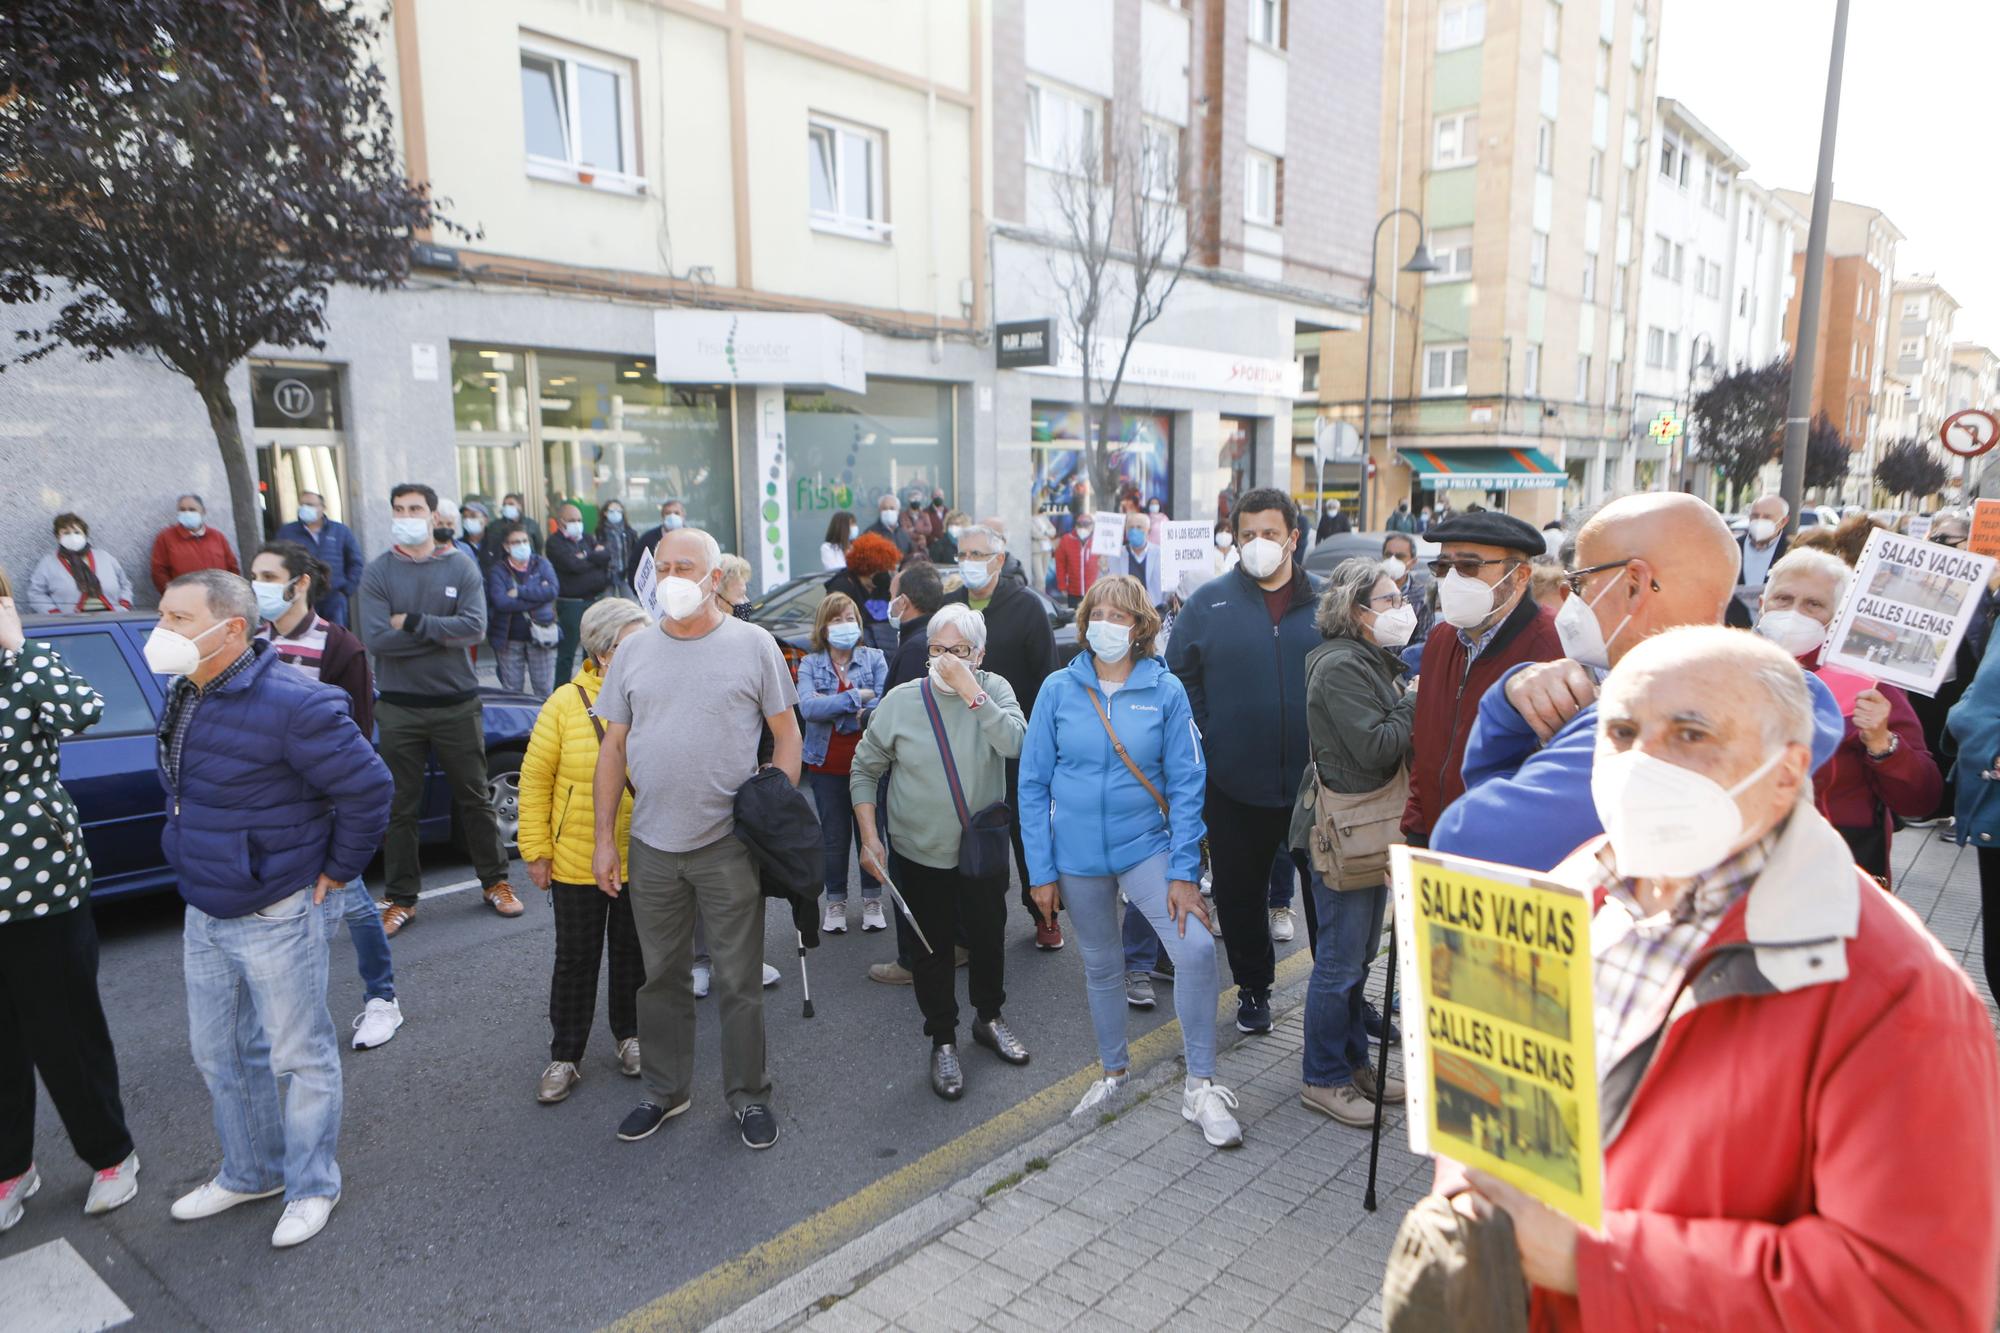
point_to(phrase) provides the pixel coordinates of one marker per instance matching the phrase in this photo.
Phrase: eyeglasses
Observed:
(962, 652)
(1394, 599)
(1575, 577)
(1468, 565)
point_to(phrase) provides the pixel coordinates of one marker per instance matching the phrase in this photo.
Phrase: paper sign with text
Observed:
(1499, 1051)
(1920, 528)
(1985, 539)
(1188, 560)
(1108, 537)
(1906, 610)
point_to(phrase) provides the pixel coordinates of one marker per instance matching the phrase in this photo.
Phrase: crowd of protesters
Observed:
(1549, 699)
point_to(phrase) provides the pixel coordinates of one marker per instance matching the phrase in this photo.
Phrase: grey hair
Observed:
(1805, 560)
(229, 596)
(1345, 596)
(604, 621)
(448, 509)
(190, 495)
(734, 566)
(968, 622)
(1789, 720)
(1787, 717)
(981, 530)
(711, 548)
(1783, 503)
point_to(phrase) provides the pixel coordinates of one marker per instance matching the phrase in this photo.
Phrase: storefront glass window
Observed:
(1232, 464)
(1139, 459)
(489, 390)
(848, 450)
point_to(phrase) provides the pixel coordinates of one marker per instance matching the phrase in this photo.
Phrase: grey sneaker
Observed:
(890, 974)
(997, 1037)
(1139, 990)
(947, 1077)
(113, 1186)
(1344, 1103)
(556, 1082)
(1364, 1081)
(628, 1057)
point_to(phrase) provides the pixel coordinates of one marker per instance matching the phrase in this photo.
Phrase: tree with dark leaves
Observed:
(1738, 422)
(1827, 455)
(1908, 467)
(190, 178)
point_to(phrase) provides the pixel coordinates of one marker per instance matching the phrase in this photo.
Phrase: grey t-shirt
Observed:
(696, 708)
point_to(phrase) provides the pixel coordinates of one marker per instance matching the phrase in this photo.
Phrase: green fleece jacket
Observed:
(1359, 717)
(899, 742)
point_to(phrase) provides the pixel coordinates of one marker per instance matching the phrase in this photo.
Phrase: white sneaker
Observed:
(210, 1199)
(871, 915)
(1099, 1093)
(376, 1023)
(702, 975)
(771, 976)
(15, 1192)
(303, 1219)
(113, 1186)
(834, 922)
(1208, 1105)
(1281, 925)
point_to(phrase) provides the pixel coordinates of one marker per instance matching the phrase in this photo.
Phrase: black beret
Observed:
(1490, 529)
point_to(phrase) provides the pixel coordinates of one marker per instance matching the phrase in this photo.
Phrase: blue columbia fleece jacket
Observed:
(1082, 811)
(1527, 804)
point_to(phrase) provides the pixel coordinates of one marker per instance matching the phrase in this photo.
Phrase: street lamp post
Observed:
(1704, 362)
(1420, 262)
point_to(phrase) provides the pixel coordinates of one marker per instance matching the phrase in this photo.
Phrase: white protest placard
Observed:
(1920, 527)
(1906, 611)
(1188, 552)
(1108, 537)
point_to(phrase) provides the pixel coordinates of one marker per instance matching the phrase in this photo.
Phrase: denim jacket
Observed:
(822, 704)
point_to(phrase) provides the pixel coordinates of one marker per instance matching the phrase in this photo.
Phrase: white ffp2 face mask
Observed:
(681, 598)
(1794, 631)
(1261, 557)
(1392, 629)
(1464, 601)
(1762, 530)
(174, 654)
(1582, 637)
(1665, 821)
(1394, 567)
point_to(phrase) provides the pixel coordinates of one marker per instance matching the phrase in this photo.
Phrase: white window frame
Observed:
(1453, 357)
(1531, 372)
(1260, 205)
(626, 178)
(1594, 181)
(1552, 20)
(1451, 251)
(873, 225)
(1588, 287)
(1462, 154)
(1461, 23)
(1160, 159)
(1267, 22)
(1603, 67)
(1545, 145)
(1621, 274)
(1538, 259)
(1082, 127)
(1583, 377)
(1656, 347)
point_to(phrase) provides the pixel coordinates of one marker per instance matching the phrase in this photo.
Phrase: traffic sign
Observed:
(1970, 433)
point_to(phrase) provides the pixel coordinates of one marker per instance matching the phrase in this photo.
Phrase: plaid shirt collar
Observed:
(184, 697)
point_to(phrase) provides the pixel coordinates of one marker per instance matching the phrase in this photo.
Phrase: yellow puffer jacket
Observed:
(557, 817)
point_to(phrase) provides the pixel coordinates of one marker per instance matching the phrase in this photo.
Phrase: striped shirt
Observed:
(303, 650)
(1640, 960)
(183, 698)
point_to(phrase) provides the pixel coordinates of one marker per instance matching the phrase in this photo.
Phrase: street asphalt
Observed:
(465, 1202)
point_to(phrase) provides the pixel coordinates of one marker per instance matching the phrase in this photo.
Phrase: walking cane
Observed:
(805, 981)
(1381, 1074)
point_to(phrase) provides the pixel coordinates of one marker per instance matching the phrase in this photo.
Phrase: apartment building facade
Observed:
(1922, 314)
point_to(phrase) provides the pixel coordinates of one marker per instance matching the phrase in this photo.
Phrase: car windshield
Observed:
(797, 600)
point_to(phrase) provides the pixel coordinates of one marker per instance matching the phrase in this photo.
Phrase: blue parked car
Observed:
(110, 771)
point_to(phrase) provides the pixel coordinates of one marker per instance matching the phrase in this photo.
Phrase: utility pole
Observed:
(1805, 355)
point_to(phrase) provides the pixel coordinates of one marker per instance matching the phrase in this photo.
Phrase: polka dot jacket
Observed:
(44, 868)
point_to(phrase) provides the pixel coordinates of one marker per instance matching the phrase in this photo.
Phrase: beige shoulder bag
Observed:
(1353, 832)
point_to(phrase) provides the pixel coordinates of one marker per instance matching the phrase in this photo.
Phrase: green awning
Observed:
(1484, 469)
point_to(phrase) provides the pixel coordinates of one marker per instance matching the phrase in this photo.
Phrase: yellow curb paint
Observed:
(702, 1300)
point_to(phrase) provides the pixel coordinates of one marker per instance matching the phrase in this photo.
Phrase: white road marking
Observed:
(53, 1289)
(442, 889)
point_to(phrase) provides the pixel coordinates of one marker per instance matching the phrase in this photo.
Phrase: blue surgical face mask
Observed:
(975, 573)
(271, 599)
(409, 531)
(614, 517)
(672, 522)
(510, 512)
(521, 552)
(843, 634)
(308, 513)
(1109, 642)
(1135, 538)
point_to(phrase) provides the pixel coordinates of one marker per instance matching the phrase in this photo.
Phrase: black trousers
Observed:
(1014, 833)
(1242, 840)
(944, 901)
(52, 1021)
(585, 919)
(1989, 898)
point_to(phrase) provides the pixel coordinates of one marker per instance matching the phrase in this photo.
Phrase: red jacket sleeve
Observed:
(162, 573)
(1902, 1230)
(228, 554)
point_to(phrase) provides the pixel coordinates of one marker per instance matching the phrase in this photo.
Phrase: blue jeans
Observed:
(256, 990)
(1284, 880)
(1350, 931)
(837, 832)
(1142, 942)
(364, 927)
(1092, 901)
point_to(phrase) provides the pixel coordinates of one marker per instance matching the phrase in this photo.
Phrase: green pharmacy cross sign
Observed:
(1665, 427)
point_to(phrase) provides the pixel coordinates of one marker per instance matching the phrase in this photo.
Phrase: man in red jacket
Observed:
(1486, 624)
(1800, 1090)
(188, 544)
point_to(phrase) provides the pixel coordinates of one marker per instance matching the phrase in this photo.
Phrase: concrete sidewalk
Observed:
(1133, 1222)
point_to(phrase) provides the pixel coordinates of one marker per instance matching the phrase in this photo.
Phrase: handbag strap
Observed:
(944, 748)
(590, 711)
(1119, 746)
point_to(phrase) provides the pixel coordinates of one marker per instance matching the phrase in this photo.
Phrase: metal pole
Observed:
(1798, 416)
(1368, 389)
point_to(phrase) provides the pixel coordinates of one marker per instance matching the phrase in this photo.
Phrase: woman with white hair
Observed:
(944, 742)
(1882, 768)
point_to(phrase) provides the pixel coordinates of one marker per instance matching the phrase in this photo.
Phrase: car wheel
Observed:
(503, 797)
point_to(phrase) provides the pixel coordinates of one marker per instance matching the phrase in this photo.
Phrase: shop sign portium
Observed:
(1499, 1050)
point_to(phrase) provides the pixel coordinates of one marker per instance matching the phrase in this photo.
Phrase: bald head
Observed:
(1679, 566)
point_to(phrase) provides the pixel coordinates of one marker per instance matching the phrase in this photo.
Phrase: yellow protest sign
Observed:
(1499, 1054)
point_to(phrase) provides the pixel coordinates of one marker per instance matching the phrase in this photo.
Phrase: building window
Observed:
(1663, 348)
(1309, 372)
(576, 116)
(1552, 26)
(1583, 377)
(1624, 193)
(1604, 67)
(1451, 251)
(1711, 280)
(1266, 22)
(1260, 189)
(1723, 180)
(1743, 300)
(1595, 183)
(845, 164)
(1914, 308)
(1669, 154)
(1619, 278)
(1590, 278)
(1062, 130)
(1457, 140)
(1545, 146)
(1461, 23)
(1531, 372)
(1612, 383)
(1160, 160)
(1538, 259)
(1444, 368)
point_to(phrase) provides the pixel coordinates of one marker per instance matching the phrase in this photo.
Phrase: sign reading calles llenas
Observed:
(1021, 343)
(755, 347)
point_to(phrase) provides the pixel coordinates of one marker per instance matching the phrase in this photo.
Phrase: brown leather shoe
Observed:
(502, 900)
(395, 916)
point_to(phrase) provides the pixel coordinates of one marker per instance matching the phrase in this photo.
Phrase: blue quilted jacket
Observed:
(276, 786)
